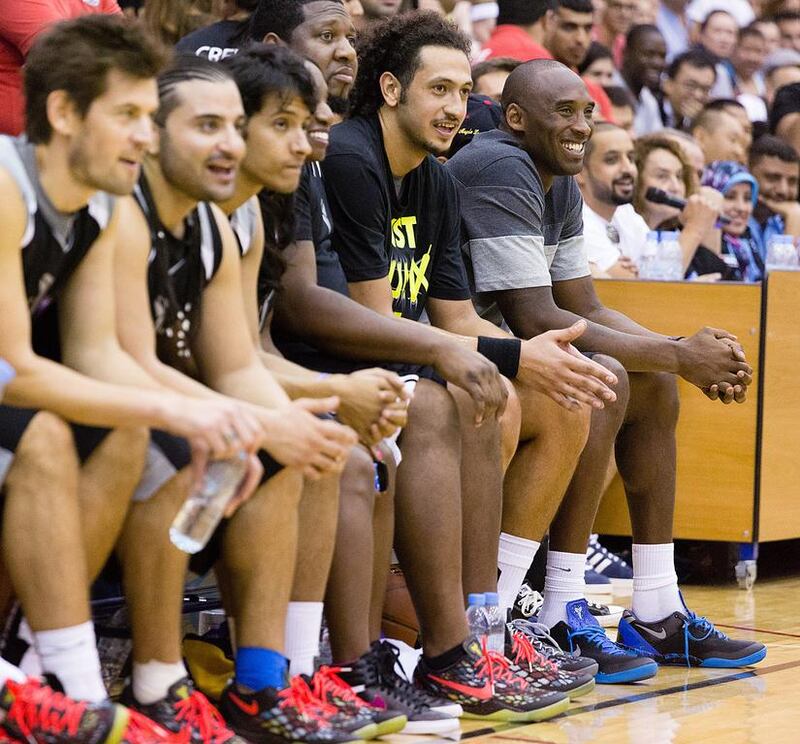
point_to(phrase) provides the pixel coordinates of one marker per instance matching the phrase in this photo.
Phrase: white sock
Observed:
(303, 625)
(30, 663)
(655, 584)
(514, 558)
(152, 680)
(71, 655)
(563, 582)
(9, 671)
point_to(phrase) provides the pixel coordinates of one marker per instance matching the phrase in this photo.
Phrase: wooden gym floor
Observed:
(737, 706)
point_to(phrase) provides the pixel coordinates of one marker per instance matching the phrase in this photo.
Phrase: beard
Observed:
(608, 194)
(339, 105)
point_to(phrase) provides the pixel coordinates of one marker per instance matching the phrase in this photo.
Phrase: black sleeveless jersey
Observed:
(179, 270)
(244, 222)
(54, 243)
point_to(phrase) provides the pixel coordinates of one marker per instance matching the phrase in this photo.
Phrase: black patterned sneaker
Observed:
(33, 712)
(489, 687)
(344, 709)
(544, 674)
(186, 711)
(544, 644)
(608, 616)
(273, 716)
(688, 640)
(584, 636)
(375, 679)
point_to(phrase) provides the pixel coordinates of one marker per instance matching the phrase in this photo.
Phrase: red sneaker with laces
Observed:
(186, 712)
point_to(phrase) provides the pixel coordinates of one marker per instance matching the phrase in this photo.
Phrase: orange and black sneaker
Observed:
(33, 712)
(489, 687)
(187, 712)
(272, 716)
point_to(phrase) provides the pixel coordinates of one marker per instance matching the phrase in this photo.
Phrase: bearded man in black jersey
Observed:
(68, 489)
(182, 317)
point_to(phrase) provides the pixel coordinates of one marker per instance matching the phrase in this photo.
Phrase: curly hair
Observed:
(644, 147)
(394, 46)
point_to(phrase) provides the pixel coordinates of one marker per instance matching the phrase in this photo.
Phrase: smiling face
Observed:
(610, 172)
(555, 124)
(738, 207)
(690, 89)
(777, 179)
(108, 144)
(200, 143)
(327, 38)
(433, 105)
(322, 119)
(749, 55)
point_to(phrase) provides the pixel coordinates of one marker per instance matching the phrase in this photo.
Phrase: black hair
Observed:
(769, 146)
(263, 70)
(394, 46)
(185, 67)
(723, 104)
(599, 128)
(750, 30)
(577, 6)
(521, 12)
(705, 21)
(76, 56)
(619, 96)
(596, 51)
(786, 15)
(498, 64)
(280, 17)
(698, 58)
(639, 31)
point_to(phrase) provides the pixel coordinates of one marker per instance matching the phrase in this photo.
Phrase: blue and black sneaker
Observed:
(583, 635)
(687, 640)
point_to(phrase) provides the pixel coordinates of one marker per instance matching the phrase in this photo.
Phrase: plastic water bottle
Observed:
(781, 253)
(647, 261)
(476, 617)
(495, 623)
(7, 374)
(670, 258)
(203, 510)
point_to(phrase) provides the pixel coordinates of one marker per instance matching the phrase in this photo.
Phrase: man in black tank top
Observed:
(67, 491)
(188, 328)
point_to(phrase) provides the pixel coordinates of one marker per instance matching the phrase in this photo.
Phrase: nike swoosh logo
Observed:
(251, 709)
(482, 693)
(661, 634)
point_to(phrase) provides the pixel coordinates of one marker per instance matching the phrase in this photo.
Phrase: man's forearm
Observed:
(297, 381)
(338, 325)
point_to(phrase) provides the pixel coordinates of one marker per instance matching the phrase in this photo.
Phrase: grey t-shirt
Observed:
(513, 235)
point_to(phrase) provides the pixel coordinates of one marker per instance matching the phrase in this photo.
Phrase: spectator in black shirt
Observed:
(223, 38)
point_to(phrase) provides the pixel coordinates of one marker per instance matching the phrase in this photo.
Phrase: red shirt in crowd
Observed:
(512, 41)
(21, 21)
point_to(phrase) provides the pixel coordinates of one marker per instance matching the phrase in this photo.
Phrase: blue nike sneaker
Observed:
(685, 639)
(583, 635)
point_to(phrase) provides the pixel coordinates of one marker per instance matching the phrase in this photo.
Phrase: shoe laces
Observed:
(596, 635)
(705, 629)
(198, 713)
(597, 547)
(539, 636)
(388, 662)
(298, 695)
(497, 668)
(529, 600)
(141, 730)
(525, 653)
(326, 681)
(38, 707)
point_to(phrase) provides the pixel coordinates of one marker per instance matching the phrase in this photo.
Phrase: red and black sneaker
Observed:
(489, 687)
(543, 673)
(327, 685)
(188, 712)
(272, 716)
(33, 712)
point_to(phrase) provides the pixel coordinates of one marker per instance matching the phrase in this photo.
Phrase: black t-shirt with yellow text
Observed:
(408, 232)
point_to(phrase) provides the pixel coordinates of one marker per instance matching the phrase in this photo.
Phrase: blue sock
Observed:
(258, 668)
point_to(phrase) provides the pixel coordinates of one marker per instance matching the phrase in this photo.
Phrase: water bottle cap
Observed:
(670, 235)
(652, 235)
(492, 598)
(7, 372)
(476, 600)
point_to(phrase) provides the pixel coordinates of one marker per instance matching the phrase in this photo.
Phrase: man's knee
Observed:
(46, 449)
(432, 412)
(358, 477)
(510, 423)
(658, 392)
